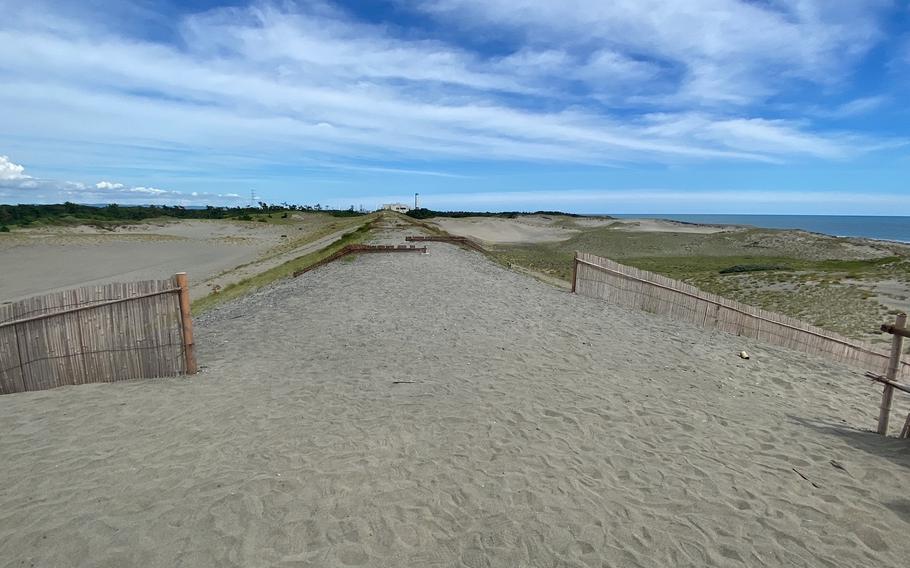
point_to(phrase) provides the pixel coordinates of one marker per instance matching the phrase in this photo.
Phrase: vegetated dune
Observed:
(439, 410)
(530, 229)
(667, 226)
(847, 285)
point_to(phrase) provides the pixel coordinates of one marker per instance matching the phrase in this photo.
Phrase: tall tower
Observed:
(416, 204)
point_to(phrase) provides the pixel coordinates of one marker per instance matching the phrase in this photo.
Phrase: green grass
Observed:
(815, 279)
(740, 268)
(282, 271)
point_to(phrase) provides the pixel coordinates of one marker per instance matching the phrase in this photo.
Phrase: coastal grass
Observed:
(821, 280)
(327, 226)
(825, 281)
(285, 270)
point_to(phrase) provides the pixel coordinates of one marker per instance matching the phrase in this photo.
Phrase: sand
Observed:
(440, 410)
(46, 260)
(531, 229)
(557, 227)
(496, 230)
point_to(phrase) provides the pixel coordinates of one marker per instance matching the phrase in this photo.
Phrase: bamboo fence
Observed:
(599, 277)
(97, 334)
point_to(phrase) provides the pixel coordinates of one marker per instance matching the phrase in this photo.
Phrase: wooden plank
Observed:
(186, 319)
(897, 344)
(895, 329)
(575, 272)
(11, 377)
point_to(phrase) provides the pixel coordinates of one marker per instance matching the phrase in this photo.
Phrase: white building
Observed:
(397, 207)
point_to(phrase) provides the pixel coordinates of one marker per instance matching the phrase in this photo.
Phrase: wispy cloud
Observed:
(856, 107)
(653, 82)
(726, 51)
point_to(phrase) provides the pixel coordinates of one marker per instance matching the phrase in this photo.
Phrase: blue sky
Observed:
(710, 106)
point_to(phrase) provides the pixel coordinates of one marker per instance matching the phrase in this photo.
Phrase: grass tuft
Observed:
(280, 272)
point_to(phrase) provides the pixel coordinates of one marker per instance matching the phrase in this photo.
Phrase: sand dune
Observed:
(438, 410)
(497, 230)
(57, 258)
(529, 229)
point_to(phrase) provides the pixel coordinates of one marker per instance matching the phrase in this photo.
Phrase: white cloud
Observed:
(16, 187)
(730, 51)
(273, 81)
(108, 185)
(654, 81)
(11, 171)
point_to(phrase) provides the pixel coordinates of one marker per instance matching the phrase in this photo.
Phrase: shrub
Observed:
(751, 268)
(4, 229)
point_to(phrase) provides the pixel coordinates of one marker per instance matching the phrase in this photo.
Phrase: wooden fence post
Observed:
(894, 365)
(574, 271)
(189, 346)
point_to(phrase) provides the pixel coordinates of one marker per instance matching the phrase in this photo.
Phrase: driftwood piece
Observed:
(799, 473)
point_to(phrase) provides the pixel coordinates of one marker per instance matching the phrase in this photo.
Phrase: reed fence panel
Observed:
(599, 277)
(93, 334)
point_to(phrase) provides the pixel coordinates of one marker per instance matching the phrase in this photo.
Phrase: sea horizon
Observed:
(894, 228)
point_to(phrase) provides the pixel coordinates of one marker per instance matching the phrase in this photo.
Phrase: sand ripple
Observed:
(537, 429)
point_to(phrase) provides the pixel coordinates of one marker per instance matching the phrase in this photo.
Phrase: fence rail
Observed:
(464, 241)
(96, 334)
(357, 249)
(603, 278)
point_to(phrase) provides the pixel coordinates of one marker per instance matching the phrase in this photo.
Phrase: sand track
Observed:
(213, 252)
(535, 428)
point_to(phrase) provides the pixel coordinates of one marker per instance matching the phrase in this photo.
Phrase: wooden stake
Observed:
(189, 346)
(894, 364)
(574, 271)
(905, 431)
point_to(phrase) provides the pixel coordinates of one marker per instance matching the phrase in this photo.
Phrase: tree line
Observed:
(422, 213)
(74, 213)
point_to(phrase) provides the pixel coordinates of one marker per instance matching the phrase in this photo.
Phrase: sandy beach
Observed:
(440, 410)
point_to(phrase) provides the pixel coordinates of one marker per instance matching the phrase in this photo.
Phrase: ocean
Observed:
(872, 227)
